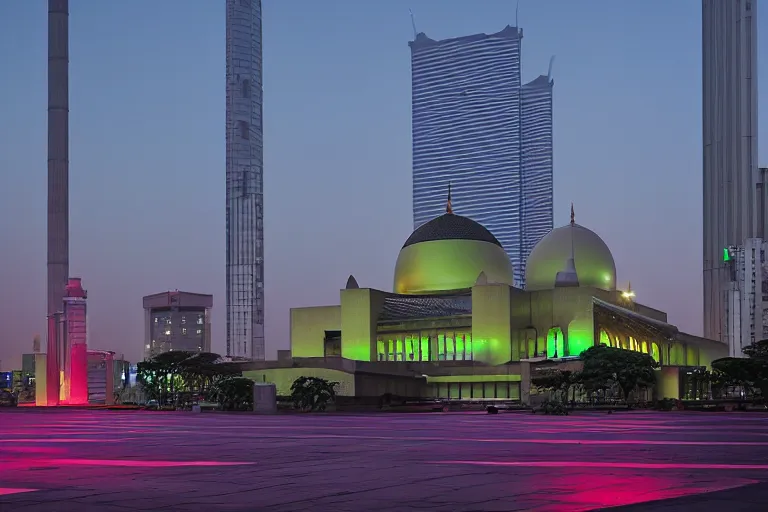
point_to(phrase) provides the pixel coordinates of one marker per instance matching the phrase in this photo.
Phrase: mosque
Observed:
(456, 327)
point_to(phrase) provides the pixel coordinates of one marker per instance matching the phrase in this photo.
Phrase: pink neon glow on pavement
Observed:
(603, 465)
(577, 492)
(127, 463)
(43, 440)
(640, 442)
(5, 491)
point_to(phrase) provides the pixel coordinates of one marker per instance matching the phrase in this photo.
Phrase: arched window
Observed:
(580, 336)
(655, 354)
(555, 343)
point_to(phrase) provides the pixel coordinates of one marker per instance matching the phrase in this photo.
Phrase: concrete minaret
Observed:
(58, 152)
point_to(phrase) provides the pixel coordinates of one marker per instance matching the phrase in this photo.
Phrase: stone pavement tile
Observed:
(388, 470)
(703, 506)
(412, 497)
(746, 498)
(69, 506)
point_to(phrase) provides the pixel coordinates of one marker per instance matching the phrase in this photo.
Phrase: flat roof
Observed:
(177, 299)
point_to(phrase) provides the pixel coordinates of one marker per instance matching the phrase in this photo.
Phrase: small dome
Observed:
(449, 253)
(593, 260)
(450, 226)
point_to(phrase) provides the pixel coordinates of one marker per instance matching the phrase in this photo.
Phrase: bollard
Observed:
(264, 398)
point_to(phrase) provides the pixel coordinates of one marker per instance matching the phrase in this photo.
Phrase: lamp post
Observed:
(628, 294)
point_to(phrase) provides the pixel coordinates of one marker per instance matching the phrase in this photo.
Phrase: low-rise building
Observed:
(177, 320)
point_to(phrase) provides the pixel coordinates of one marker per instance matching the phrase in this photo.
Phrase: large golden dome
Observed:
(592, 258)
(449, 253)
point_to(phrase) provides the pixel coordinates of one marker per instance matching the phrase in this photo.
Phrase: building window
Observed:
(184, 330)
(244, 130)
(168, 332)
(246, 85)
(155, 319)
(332, 344)
(183, 320)
(199, 331)
(199, 319)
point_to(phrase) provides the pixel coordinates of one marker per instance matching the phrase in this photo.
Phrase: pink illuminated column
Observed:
(53, 368)
(76, 368)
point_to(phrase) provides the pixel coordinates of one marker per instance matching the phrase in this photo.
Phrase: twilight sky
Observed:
(147, 148)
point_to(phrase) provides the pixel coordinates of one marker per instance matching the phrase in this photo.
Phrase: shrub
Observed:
(554, 408)
(666, 404)
(234, 393)
(312, 393)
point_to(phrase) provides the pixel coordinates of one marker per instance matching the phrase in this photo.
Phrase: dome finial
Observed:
(448, 207)
(573, 215)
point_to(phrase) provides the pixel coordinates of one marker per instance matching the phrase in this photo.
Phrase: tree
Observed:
(234, 393)
(751, 375)
(757, 350)
(202, 370)
(605, 367)
(312, 393)
(699, 382)
(556, 382)
(178, 374)
(148, 376)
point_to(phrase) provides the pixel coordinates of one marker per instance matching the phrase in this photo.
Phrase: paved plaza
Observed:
(107, 461)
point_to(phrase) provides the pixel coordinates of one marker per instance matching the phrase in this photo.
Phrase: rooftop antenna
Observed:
(413, 24)
(517, 9)
(549, 73)
(573, 223)
(568, 276)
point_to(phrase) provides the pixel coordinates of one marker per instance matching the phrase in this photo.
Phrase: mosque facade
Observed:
(455, 327)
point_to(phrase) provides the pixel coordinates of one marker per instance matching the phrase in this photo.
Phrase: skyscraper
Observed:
(58, 153)
(245, 200)
(58, 189)
(734, 193)
(477, 127)
(536, 166)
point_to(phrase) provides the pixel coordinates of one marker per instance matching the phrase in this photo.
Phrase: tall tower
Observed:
(58, 188)
(477, 126)
(58, 152)
(734, 197)
(245, 199)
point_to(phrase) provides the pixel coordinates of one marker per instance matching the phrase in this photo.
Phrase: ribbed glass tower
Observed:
(734, 205)
(477, 127)
(245, 199)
